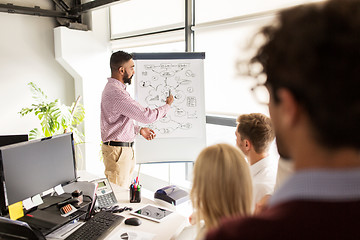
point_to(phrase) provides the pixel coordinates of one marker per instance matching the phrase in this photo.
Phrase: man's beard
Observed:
(127, 79)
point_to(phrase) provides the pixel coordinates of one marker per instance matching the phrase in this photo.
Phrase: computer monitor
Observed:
(30, 168)
(11, 139)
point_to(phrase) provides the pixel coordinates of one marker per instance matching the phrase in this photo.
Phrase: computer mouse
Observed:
(133, 221)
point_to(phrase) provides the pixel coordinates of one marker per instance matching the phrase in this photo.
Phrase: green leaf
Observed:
(35, 133)
(54, 116)
(38, 94)
(79, 115)
(78, 136)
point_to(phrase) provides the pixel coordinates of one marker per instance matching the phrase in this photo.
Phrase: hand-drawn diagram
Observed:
(156, 80)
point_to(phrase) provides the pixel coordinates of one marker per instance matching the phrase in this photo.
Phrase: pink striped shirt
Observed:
(119, 110)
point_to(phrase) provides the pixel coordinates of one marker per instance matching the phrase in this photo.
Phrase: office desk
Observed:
(168, 229)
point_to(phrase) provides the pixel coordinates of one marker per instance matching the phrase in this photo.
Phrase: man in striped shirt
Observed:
(118, 112)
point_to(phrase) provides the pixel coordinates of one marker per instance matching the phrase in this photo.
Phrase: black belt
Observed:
(119, 144)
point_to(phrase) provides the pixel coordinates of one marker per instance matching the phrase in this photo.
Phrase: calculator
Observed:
(105, 195)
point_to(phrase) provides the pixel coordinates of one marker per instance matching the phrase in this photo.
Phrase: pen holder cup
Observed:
(135, 194)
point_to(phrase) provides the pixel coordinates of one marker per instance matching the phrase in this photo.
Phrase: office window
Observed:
(227, 92)
(220, 134)
(213, 10)
(223, 30)
(137, 17)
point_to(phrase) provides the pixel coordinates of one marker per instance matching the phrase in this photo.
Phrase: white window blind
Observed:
(138, 17)
(215, 10)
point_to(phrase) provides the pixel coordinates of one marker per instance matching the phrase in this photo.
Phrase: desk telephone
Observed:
(105, 195)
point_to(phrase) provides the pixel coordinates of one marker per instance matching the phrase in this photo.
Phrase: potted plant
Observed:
(55, 117)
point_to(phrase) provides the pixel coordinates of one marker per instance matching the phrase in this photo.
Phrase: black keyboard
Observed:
(98, 227)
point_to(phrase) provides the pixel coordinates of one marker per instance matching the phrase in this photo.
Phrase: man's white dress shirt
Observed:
(263, 175)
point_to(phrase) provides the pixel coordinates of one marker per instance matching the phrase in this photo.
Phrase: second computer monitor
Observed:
(13, 138)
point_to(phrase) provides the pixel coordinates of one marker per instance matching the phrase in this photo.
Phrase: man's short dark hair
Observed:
(257, 128)
(117, 59)
(314, 52)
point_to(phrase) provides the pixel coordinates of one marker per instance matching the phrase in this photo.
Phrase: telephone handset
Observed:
(105, 195)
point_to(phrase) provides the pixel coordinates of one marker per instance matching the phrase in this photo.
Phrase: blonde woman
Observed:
(221, 188)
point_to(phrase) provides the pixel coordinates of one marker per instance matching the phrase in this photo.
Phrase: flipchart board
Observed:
(181, 134)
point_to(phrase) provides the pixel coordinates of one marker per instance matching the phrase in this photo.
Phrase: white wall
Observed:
(27, 54)
(86, 55)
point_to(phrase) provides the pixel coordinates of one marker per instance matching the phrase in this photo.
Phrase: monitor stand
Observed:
(49, 219)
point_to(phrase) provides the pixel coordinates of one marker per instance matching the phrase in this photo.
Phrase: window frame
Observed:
(186, 33)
